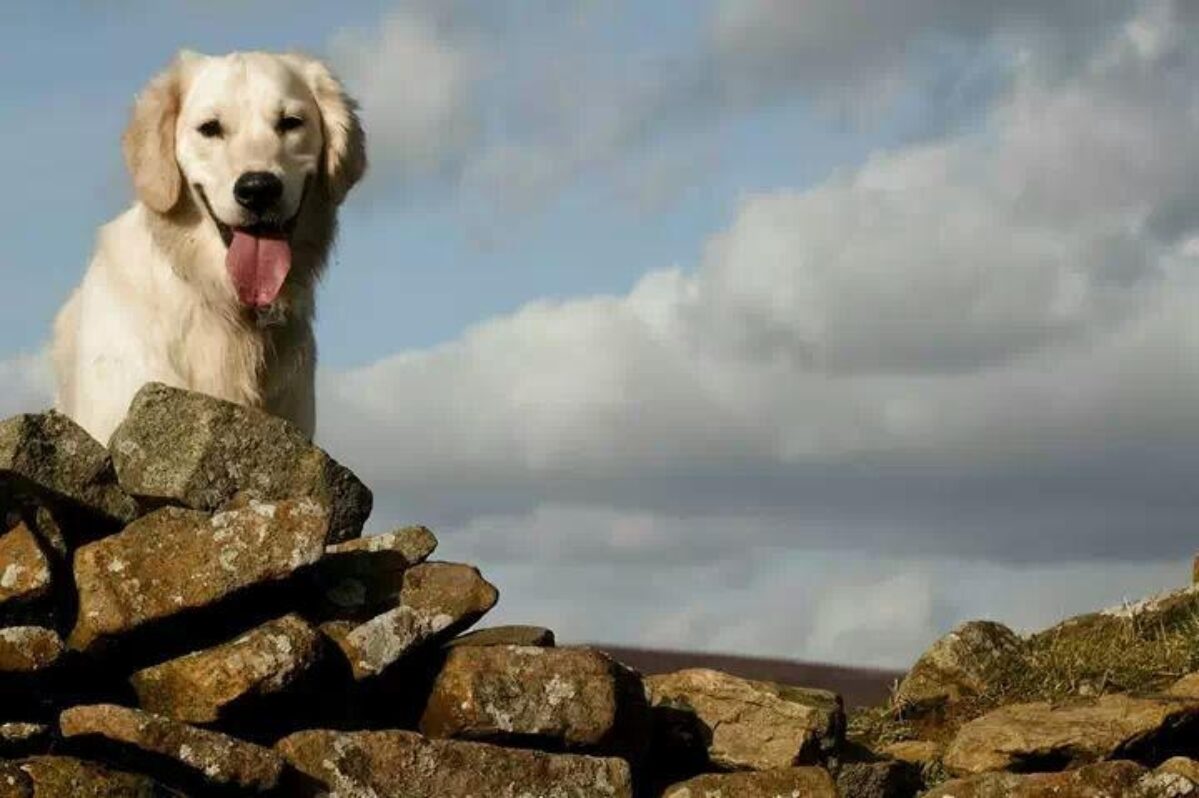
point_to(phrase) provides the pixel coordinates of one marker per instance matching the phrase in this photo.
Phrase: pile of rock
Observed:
(193, 611)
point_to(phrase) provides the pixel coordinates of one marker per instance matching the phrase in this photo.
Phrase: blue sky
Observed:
(802, 329)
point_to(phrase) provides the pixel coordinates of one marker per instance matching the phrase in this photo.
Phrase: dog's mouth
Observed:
(258, 256)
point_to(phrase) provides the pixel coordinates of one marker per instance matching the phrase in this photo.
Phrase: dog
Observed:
(239, 163)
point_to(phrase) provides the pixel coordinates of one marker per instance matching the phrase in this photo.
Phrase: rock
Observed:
(887, 779)
(214, 758)
(204, 686)
(809, 782)
(962, 664)
(917, 752)
(746, 724)
(195, 450)
(1186, 687)
(174, 560)
(437, 601)
(65, 777)
(1040, 736)
(506, 636)
(1175, 778)
(21, 739)
(397, 764)
(361, 578)
(27, 649)
(578, 698)
(24, 568)
(50, 458)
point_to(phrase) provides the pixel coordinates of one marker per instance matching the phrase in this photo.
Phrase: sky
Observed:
(795, 328)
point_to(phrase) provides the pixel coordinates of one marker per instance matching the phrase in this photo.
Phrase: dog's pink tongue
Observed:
(258, 267)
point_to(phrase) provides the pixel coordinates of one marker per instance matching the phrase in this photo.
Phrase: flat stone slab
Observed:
(202, 686)
(51, 457)
(578, 697)
(1027, 736)
(19, 739)
(752, 725)
(199, 451)
(67, 777)
(24, 568)
(216, 758)
(809, 782)
(176, 560)
(506, 636)
(437, 601)
(28, 649)
(397, 764)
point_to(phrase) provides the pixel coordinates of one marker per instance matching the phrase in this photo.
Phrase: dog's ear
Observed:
(149, 140)
(345, 141)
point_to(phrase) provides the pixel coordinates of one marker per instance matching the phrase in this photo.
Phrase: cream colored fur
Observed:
(156, 302)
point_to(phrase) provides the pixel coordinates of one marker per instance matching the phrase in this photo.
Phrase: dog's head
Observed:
(252, 139)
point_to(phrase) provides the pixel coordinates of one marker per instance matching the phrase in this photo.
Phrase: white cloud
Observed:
(414, 78)
(1014, 291)
(610, 583)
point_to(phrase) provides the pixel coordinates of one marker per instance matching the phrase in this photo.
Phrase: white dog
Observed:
(207, 282)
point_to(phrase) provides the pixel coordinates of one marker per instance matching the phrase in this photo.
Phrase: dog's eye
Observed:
(210, 129)
(287, 123)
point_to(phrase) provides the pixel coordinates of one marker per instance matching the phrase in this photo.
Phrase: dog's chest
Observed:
(219, 356)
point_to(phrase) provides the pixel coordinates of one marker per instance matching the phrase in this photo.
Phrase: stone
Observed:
(24, 569)
(437, 601)
(1175, 778)
(66, 777)
(215, 758)
(579, 698)
(28, 649)
(808, 782)
(397, 764)
(917, 752)
(361, 578)
(174, 560)
(885, 779)
(962, 664)
(198, 451)
(202, 687)
(506, 636)
(1186, 687)
(51, 457)
(746, 724)
(20, 739)
(1041, 736)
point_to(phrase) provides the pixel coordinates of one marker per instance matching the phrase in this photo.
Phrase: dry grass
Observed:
(1142, 650)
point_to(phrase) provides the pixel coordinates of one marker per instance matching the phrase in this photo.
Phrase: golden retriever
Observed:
(207, 283)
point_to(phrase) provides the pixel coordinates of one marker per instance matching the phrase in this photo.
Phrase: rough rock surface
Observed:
(886, 779)
(577, 697)
(789, 783)
(961, 664)
(64, 777)
(437, 601)
(364, 577)
(1120, 779)
(50, 457)
(398, 764)
(215, 758)
(18, 739)
(506, 636)
(25, 649)
(918, 752)
(1039, 736)
(202, 686)
(199, 451)
(175, 560)
(24, 569)
(753, 725)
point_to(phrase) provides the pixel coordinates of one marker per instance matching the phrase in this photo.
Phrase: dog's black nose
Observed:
(257, 191)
